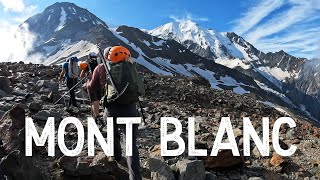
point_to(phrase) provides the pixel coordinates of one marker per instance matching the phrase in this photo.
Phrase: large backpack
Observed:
(73, 68)
(92, 65)
(124, 74)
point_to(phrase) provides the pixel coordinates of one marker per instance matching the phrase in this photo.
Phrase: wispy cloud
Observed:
(13, 5)
(188, 16)
(296, 14)
(294, 29)
(18, 40)
(302, 43)
(28, 12)
(255, 14)
(317, 55)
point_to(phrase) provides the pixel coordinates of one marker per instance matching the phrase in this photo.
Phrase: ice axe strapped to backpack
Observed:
(124, 76)
(108, 74)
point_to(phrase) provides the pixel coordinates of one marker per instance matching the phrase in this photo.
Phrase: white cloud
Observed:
(294, 29)
(28, 12)
(13, 5)
(286, 19)
(255, 14)
(188, 16)
(18, 43)
(300, 41)
(317, 55)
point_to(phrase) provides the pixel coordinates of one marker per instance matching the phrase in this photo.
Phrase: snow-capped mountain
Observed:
(58, 18)
(62, 26)
(208, 43)
(229, 49)
(75, 31)
(279, 72)
(226, 60)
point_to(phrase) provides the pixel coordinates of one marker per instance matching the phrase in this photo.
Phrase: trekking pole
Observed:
(64, 99)
(69, 90)
(142, 114)
(83, 96)
(109, 75)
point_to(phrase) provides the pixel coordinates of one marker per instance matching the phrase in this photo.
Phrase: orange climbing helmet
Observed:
(83, 65)
(117, 54)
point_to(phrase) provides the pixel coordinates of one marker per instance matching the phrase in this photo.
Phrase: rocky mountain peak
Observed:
(62, 16)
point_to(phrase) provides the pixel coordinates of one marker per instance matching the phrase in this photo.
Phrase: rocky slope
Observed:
(30, 90)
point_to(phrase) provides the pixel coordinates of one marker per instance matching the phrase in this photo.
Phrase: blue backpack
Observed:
(73, 68)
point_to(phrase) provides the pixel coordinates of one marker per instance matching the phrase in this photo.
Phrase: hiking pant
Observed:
(70, 83)
(125, 111)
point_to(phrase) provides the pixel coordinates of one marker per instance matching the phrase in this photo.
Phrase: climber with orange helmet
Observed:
(87, 68)
(123, 86)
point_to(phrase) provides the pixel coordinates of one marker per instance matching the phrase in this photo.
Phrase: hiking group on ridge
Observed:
(117, 83)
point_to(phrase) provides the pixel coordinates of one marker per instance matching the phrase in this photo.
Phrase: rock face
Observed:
(5, 85)
(52, 15)
(224, 160)
(35, 107)
(191, 170)
(17, 166)
(52, 86)
(12, 126)
(158, 167)
(167, 96)
(160, 170)
(276, 160)
(84, 165)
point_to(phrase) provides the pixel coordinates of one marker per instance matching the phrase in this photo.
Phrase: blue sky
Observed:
(270, 25)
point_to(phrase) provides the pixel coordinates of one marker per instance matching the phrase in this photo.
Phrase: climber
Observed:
(121, 97)
(95, 94)
(70, 70)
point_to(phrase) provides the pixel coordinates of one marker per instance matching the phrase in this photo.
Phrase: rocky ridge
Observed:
(30, 90)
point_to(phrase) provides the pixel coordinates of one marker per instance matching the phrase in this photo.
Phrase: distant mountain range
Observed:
(226, 60)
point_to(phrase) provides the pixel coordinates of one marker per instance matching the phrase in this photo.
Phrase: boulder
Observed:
(160, 170)
(44, 114)
(35, 107)
(17, 166)
(276, 160)
(223, 161)
(155, 151)
(255, 178)
(2, 94)
(19, 92)
(1, 113)
(46, 84)
(9, 98)
(4, 72)
(5, 85)
(210, 176)
(53, 97)
(191, 170)
(12, 129)
(84, 165)
(5, 106)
